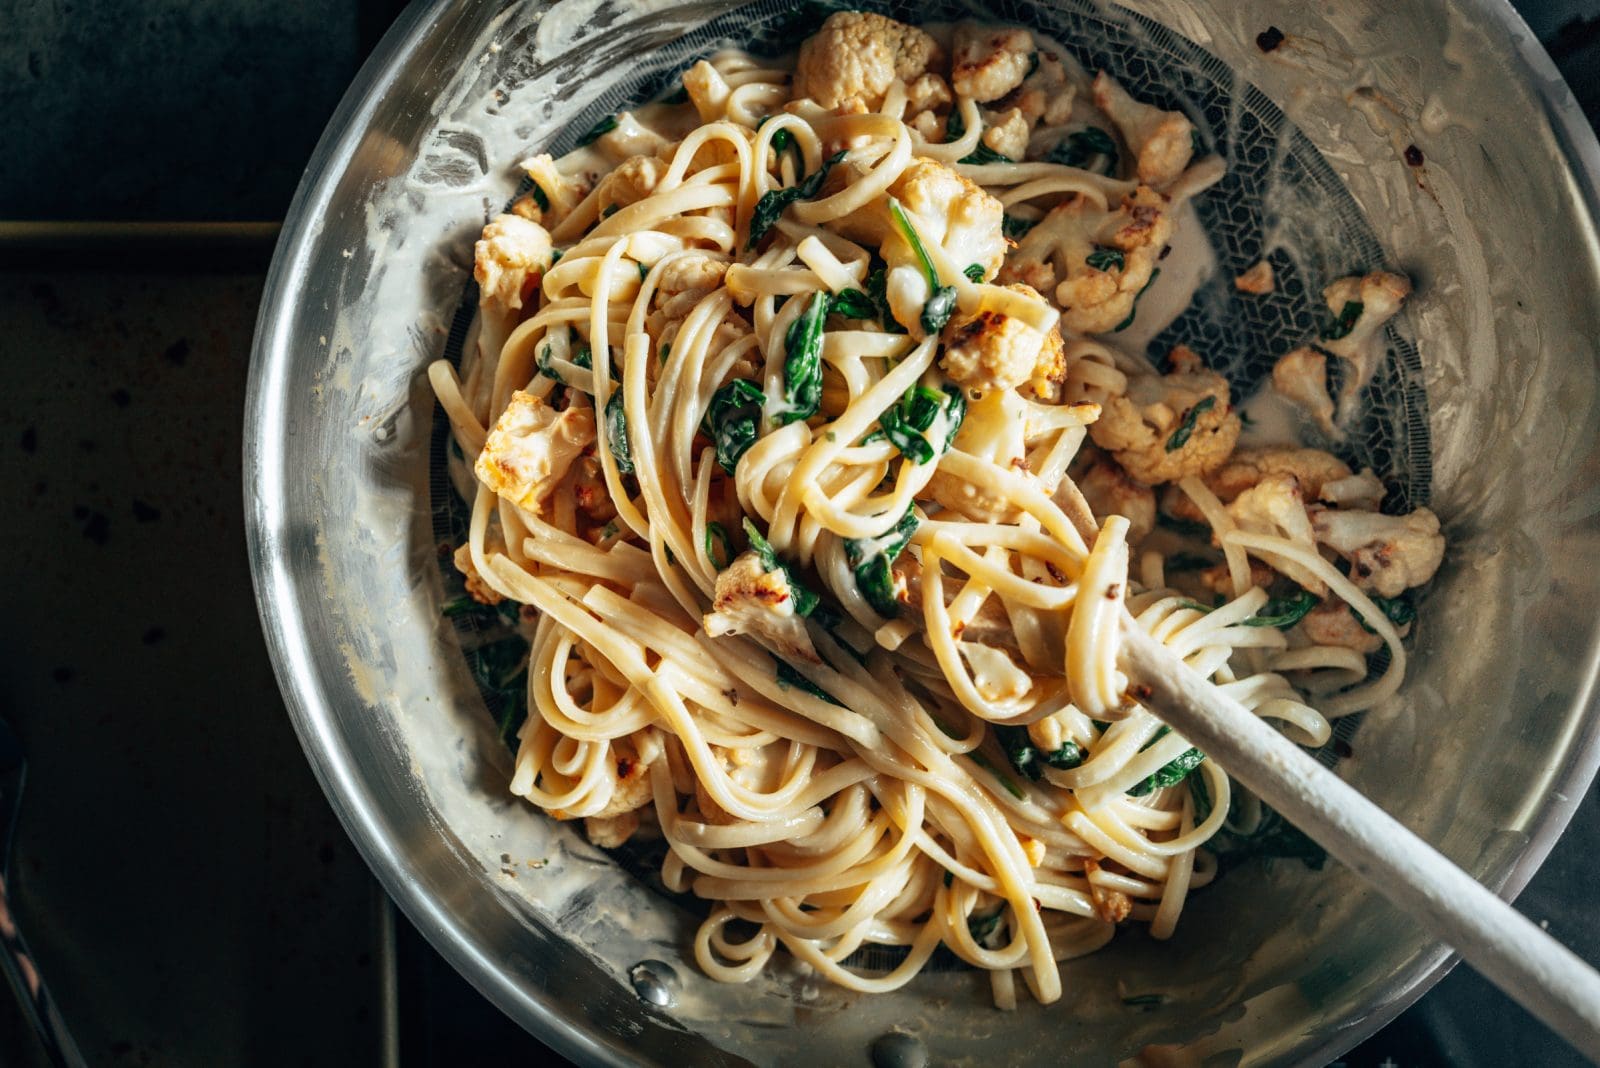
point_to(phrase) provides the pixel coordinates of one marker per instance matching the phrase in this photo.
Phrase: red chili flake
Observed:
(1413, 156)
(1269, 38)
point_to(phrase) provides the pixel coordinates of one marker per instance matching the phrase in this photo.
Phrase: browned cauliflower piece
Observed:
(708, 90)
(1310, 467)
(1046, 94)
(527, 207)
(989, 61)
(1162, 141)
(749, 599)
(1302, 377)
(994, 430)
(508, 261)
(1388, 554)
(1169, 426)
(628, 138)
(1007, 133)
(1362, 492)
(928, 93)
(1276, 506)
(610, 832)
(1109, 491)
(1113, 906)
(856, 54)
(929, 125)
(949, 211)
(925, 98)
(561, 192)
(698, 273)
(1258, 279)
(1098, 262)
(477, 589)
(1332, 623)
(952, 212)
(530, 449)
(989, 350)
(633, 179)
(1361, 305)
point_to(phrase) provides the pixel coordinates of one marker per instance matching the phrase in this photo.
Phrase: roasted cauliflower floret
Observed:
(634, 179)
(562, 193)
(1363, 492)
(1245, 468)
(1162, 142)
(1046, 95)
(530, 449)
(749, 599)
(1388, 554)
(1380, 294)
(1109, 491)
(477, 589)
(1169, 426)
(946, 210)
(1098, 262)
(1258, 279)
(994, 430)
(1302, 377)
(610, 832)
(1007, 133)
(1276, 506)
(951, 212)
(989, 61)
(927, 100)
(629, 137)
(1332, 623)
(1113, 906)
(527, 207)
(928, 93)
(697, 272)
(508, 261)
(855, 55)
(990, 350)
(1361, 306)
(708, 90)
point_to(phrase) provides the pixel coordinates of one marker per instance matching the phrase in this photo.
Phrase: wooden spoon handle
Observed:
(1532, 968)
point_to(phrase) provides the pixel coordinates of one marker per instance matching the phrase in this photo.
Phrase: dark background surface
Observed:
(188, 891)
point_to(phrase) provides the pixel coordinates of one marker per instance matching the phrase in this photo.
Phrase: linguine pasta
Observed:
(798, 424)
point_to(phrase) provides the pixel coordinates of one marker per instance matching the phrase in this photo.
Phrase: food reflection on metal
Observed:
(15, 959)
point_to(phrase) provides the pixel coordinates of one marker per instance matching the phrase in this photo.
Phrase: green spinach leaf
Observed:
(734, 420)
(1180, 437)
(774, 202)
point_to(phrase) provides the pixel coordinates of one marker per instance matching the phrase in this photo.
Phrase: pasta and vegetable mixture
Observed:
(803, 440)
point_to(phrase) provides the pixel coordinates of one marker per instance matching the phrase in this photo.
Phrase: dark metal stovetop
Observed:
(189, 894)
